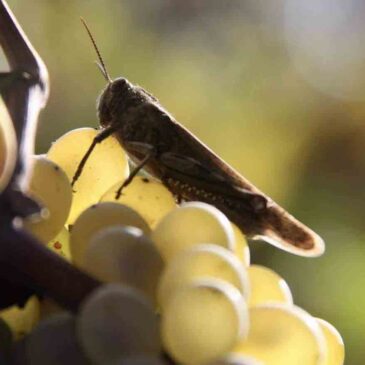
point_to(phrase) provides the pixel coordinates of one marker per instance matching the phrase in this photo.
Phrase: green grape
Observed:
(124, 255)
(116, 321)
(202, 261)
(203, 320)
(97, 217)
(22, 320)
(241, 248)
(334, 342)
(53, 342)
(267, 286)
(147, 196)
(50, 186)
(192, 223)
(8, 146)
(282, 334)
(61, 244)
(139, 360)
(235, 359)
(106, 166)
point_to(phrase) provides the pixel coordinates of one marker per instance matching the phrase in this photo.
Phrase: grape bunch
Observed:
(178, 283)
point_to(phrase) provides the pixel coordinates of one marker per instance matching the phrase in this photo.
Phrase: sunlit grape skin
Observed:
(235, 359)
(106, 166)
(51, 187)
(203, 320)
(124, 255)
(116, 321)
(267, 286)
(61, 244)
(334, 342)
(100, 216)
(190, 224)
(147, 196)
(202, 261)
(241, 248)
(8, 146)
(22, 320)
(281, 334)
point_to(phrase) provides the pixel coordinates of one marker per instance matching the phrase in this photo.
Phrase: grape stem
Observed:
(23, 259)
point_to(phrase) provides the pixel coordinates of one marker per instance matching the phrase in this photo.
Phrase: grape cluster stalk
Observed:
(136, 280)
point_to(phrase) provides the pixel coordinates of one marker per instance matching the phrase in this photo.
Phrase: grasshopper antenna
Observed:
(100, 65)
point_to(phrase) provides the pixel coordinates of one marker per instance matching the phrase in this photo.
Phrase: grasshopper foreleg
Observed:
(103, 134)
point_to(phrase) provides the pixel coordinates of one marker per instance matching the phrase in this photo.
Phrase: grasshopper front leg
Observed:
(104, 134)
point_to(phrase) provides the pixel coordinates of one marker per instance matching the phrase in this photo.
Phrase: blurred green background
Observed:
(275, 88)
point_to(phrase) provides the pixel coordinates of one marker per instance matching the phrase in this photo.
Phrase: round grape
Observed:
(61, 244)
(192, 223)
(282, 334)
(106, 165)
(54, 342)
(267, 286)
(235, 359)
(50, 186)
(116, 321)
(97, 217)
(202, 261)
(124, 255)
(334, 342)
(203, 320)
(241, 248)
(147, 196)
(8, 146)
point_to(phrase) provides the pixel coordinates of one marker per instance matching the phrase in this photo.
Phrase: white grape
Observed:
(116, 321)
(97, 217)
(106, 165)
(203, 261)
(50, 186)
(191, 224)
(282, 334)
(147, 196)
(54, 342)
(203, 320)
(124, 255)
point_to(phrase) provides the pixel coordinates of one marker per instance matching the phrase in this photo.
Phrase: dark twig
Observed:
(29, 86)
(23, 260)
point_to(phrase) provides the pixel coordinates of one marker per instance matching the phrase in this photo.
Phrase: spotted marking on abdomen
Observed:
(204, 194)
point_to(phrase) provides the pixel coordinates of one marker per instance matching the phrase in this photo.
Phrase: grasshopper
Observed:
(156, 142)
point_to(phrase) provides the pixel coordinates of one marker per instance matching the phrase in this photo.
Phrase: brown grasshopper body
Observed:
(192, 171)
(169, 152)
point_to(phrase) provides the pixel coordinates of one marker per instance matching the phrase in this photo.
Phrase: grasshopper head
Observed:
(114, 101)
